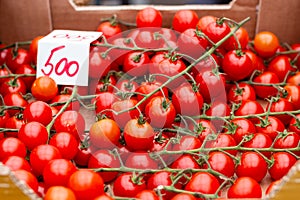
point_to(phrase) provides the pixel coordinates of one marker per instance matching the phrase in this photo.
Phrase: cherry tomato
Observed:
(293, 95)
(104, 159)
(13, 85)
(105, 134)
(162, 178)
(245, 187)
(99, 66)
(3, 54)
(33, 48)
(225, 140)
(140, 160)
(203, 182)
(16, 163)
(103, 102)
(266, 44)
(83, 155)
(145, 38)
(183, 196)
(57, 172)
(125, 85)
(12, 147)
(103, 197)
(184, 19)
(138, 135)
(147, 195)
(282, 105)
(41, 155)
(283, 162)
(17, 58)
(288, 140)
(44, 88)
(257, 61)
(14, 99)
(293, 80)
(187, 101)
(160, 112)
(33, 134)
(216, 30)
(252, 165)
(271, 126)
(109, 29)
(281, 66)
(4, 71)
(128, 185)
(61, 99)
(14, 122)
(250, 107)
(241, 127)
(243, 38)
(294, 125)
(260, 140)
(240, 92)
(204, 21)
(185, 161)
(28, 178)
(70, 121)
(148, 17)
(218, 109)
(187, 142)
(237, 65)
(272, 185)
(59, 193)
(203, 128)
(66, 143)
(38, 111)
(121, 106)
(86, 184)
(296, 47)
(135, 63)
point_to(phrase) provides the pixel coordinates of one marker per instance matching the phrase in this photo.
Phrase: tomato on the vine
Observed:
(28, 178)
(283, 162)
(128, 185)
(38, 111)
(149, 17)
(184, 19)
(245, 187)
(44, 88)
(282, 67)
(16, 58)
(109, 28)
(240, 92)
(59, 192)
(12, 147)
(16, 163)
(271, 126)
(266, 44)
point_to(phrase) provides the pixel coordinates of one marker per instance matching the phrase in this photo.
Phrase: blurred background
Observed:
(159, 2)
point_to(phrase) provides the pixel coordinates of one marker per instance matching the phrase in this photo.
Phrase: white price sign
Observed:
(64, 56)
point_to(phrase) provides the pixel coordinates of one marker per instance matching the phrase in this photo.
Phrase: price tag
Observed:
(64, 56)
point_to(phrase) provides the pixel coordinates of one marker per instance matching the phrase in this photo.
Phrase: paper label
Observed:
(64, 56)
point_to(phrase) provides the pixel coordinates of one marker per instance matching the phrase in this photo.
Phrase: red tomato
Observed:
(44, 88)
(86, 184)
(38, 111)
(148, 17)
(59, 192)
(296, 47)
(168, 67)
(187, 142)
(216, 30)
(99, 66)
(136, 63)
(203, 128)
(249, 107)
(293, 80)
(271, 126)
(70, 121)
(281, 66)
(288, 140)
(241, 92)
(203, 182)
(243, 38)
(204, 21)
(13, 85)
(293, 95)
(283, 162)
(184, 19)
(147, 195)
(103, 102)
(145, 38)
(148, 87)
(14, 99)
(225, 140)
(260, 140)
(245, 187)
(140, 160)
(294, 125)
(257, 61)
(33, 134)
(61, 99)
(191, 44)
(272, 185)
(237, 65)
(218, 109)
(104, 159)
(252, 165)
(282, 105)
(160, 112)
(83, 155)
(28, 178)
(124, 105)
(183, 196)
(15, 122)
(33, 48)
(12, 147)
(109, 29)
(16, 163)
(241, 127)
(125, 85)
(221, 163)
(3, 54)
(41, 155)
(27, 69)
(17, 58)
(138, 135)
(66, 143)
(4, 71)
(105, 134)
(266, 44)
(185, 161)
(162, 178)
(57, 172)
(187, 101)
(128, 185)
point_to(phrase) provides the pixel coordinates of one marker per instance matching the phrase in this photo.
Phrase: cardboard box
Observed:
(22, 20)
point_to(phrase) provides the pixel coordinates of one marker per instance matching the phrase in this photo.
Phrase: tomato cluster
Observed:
(197, 111)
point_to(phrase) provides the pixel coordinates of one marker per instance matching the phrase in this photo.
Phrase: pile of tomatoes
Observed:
(193, 112)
